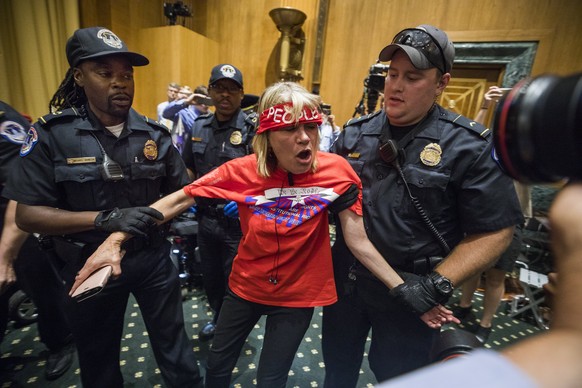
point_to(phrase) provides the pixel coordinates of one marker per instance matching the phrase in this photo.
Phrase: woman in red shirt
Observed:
(283, 268)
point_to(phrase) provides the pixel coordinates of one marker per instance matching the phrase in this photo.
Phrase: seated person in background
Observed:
(550, 359)
(283, 267)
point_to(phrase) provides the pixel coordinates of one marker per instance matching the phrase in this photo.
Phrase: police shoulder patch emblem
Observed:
(431, 154)
(13, 132)
(30, 142)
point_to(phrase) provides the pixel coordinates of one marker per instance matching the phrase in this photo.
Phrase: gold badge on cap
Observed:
(431, 154)
(235, 138)
(150, 150)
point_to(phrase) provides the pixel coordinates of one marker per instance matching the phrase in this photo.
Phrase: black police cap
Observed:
(226, 71)
(94, 42)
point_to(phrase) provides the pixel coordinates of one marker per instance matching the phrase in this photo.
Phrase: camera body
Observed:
(537, 129)
(173, 10)
(376, 76)
(326, 109)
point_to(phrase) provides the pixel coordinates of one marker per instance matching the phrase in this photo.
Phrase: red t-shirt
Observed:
(285, 228)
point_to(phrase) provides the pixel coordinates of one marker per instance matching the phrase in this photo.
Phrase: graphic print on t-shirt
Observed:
(292, 206)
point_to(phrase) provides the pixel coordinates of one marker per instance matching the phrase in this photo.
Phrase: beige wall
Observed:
(245, 35)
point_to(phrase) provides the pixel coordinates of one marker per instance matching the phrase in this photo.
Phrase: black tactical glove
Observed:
(345, 200)
(134, 220)
(420, 293)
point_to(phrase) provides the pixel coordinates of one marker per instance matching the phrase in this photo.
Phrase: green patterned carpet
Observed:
(22, 354)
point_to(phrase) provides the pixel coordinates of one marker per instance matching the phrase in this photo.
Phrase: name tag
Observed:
(88, 159)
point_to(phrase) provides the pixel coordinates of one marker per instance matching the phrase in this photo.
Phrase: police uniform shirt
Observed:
(448, 166)
(13, 131)
(61, 164)
(213, 143)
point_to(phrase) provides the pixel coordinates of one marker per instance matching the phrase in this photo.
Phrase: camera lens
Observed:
(538, 129)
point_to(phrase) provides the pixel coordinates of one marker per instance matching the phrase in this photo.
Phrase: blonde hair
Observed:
(279, 93)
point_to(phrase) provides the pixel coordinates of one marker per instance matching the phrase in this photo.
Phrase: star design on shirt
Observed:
(299, 199)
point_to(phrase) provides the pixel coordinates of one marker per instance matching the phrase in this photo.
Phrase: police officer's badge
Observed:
(150, 150)
(235, 138)
(431, 154)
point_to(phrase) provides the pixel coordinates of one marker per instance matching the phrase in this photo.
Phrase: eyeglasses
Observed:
(422, 40)
(223, 88)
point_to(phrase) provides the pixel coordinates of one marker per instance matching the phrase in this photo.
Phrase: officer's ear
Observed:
(78, 76)
(443, 82)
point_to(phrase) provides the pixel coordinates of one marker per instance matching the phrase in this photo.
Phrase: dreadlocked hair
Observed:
(68, 95)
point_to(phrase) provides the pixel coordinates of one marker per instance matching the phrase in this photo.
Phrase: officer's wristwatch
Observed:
(442, 284)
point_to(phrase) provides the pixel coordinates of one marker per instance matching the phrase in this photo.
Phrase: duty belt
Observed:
(213, 211)
(216, 212)
(421, 266)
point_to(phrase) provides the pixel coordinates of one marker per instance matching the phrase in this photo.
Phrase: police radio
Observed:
(110, 170)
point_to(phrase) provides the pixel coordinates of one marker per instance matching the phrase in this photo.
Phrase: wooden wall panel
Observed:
(359, 40)
(176, 54)
(356, 32)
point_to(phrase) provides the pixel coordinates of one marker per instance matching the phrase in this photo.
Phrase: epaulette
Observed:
(471, 125)
(204, 116)
(361, 119)
(251, 119)
(155, 124)
(59, 115)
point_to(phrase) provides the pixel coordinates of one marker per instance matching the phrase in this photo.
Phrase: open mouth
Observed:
(304, 155)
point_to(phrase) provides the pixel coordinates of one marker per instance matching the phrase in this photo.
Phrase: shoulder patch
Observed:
(469, 124)
(362, 119)
(30, 142)
(59, 115)
(13, 131)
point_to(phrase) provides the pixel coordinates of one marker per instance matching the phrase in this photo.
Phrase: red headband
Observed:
(277, 117)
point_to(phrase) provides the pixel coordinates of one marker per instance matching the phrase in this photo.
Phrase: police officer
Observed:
(216, 139)
(436, 205)
(91, 168)
(21, 259)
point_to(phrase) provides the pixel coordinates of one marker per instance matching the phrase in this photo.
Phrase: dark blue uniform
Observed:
(450, 170)
(33, 271)
(60, 167)
(213, 143)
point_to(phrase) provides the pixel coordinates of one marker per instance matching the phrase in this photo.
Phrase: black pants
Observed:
(218, 240)
(285, 328)
(39, 280)
(98, 322)
(401, 342)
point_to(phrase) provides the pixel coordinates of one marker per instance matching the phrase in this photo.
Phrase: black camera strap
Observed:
(391, 151)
